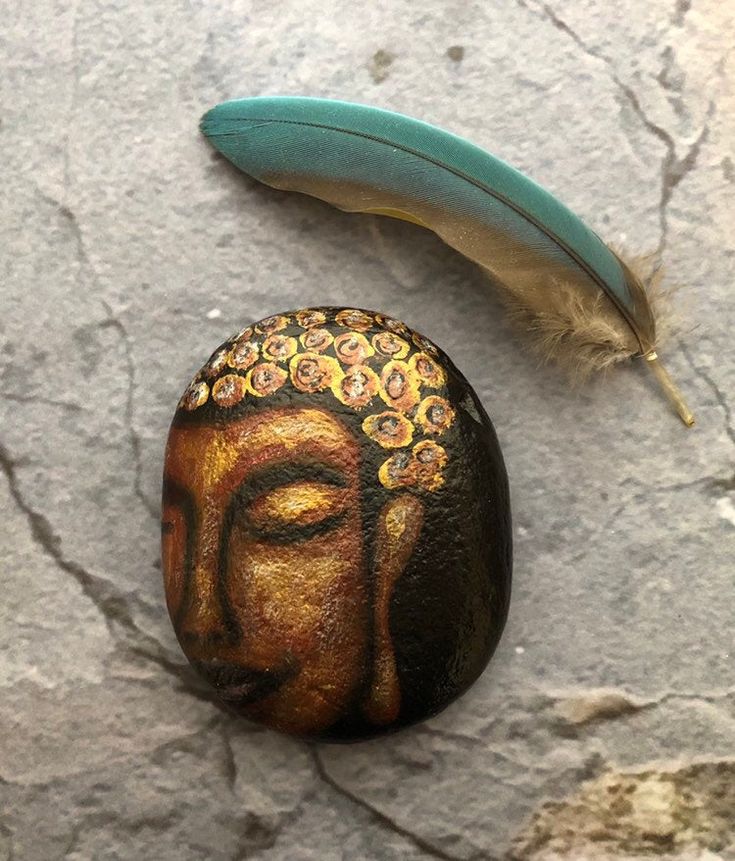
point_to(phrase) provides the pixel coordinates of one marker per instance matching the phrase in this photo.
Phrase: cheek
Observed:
(295, 597)
(173, 557)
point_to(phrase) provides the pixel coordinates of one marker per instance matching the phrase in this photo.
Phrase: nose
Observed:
(202, 619)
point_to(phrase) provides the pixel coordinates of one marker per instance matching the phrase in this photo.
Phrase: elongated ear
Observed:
(399, 526)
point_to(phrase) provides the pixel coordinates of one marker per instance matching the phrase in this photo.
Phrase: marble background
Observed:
(605, 726)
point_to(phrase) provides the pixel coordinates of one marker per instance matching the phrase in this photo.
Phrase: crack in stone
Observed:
(260, 833)
(680, 12)
(673, 169)
(133, 435)
(190, 682)
(8, 833)
(455, 738)
(74, 98)
(37, 399)
(384, 820)
(706, 482)
(709, 483)
(690, 696)
(672, 82)
(719, 397)
(594, 706)
(662, 77)
(470, 742)
(264, 833)
(186, 743)
(99, 821)
(114, 322)
(230, 765)
(111, 603)
(73, 840)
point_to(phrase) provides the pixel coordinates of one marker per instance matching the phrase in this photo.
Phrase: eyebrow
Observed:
(284, 473)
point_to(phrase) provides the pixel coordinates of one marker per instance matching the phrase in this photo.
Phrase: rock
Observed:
(336, 525)
(682, 813)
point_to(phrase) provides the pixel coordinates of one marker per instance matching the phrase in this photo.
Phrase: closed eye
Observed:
(297, 511)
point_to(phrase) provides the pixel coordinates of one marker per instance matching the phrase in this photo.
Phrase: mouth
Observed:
(243, 685)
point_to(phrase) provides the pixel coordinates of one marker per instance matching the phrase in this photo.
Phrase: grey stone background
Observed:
(605, 725)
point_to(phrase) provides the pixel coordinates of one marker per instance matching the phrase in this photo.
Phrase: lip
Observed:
(243, 685)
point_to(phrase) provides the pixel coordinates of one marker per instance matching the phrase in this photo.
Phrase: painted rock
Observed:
(336, 525)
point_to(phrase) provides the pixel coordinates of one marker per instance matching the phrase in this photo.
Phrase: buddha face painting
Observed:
(326, 565)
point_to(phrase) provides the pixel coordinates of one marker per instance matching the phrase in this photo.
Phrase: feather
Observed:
(580, 301)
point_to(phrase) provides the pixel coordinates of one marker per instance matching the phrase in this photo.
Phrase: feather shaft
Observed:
(670, 390)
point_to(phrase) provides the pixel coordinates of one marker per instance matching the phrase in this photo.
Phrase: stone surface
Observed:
(336, 526)
(129, 249)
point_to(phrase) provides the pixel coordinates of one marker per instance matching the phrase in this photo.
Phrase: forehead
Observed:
(206, 455)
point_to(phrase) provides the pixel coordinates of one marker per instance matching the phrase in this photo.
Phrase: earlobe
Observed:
(399, 526)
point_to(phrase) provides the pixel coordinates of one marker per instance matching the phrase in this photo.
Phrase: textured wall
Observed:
(605, 726)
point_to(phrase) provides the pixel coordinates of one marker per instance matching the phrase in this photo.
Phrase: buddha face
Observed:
(320, 533)
(265, 567)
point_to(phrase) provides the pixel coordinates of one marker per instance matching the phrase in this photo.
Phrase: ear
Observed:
(399, 526)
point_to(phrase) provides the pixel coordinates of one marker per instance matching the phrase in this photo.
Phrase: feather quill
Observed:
(580, 301)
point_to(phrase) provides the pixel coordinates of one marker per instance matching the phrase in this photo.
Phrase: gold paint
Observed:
(243, 335)
(229, 390)
(434, 415)
(357, 387)
(216, 363)
(301, 604)
(429, 459)
(399, 526)
(424, 344)
(194, 396)
(279, 348)
(391, 345)
(264, 379)
(201, 457)
(353, 383)
(422, 467)
(427, 370)
(308, 318)
(389, 429)
(311, 372)
(243, 355)
(354, 319)
(352, 348)
(397, 471)
(272, 324)
(395, 523)
(399, 386)
(298, 503)
(392, 325)
(173, 555)
(317, 340)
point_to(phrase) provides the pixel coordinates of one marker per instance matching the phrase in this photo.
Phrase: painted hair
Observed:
(375, 366)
